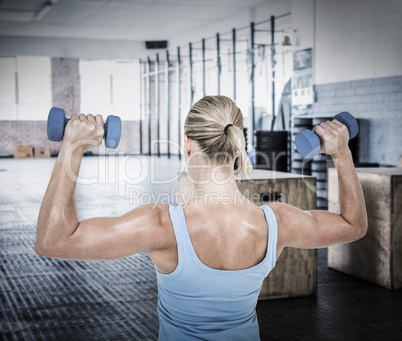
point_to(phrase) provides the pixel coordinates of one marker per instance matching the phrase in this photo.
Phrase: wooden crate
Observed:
(42, 152)
(295, 273)
(23, 151)
(377, 257)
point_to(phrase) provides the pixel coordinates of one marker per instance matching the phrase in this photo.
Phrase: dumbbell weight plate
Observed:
(322, 203)
(56, 122)
(322, 184)
(297, 164)
(320, 175)
(319, 166)
(322, 193)
(296, 171)
(112, 131)
(308, 144)
(301, 164)
(348, 120)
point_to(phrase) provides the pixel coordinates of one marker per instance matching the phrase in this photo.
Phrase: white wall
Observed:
(25, 87)
(110, 87)
(357, 39)
(303, 22)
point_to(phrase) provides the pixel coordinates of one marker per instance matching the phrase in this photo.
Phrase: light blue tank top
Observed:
(196, 302)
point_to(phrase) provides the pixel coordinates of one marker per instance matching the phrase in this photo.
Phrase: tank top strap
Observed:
(272, 233)
(176, 216)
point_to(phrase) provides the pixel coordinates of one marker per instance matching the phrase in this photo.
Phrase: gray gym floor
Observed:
(46, 299)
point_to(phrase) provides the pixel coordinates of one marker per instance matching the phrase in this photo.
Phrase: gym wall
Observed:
(378, 104)
(358, 69)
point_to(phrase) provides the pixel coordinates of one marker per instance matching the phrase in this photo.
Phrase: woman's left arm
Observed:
(60, 234)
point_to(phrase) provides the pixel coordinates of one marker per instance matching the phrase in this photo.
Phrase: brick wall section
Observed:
(66, 84)
(378, 103)
(32, 133)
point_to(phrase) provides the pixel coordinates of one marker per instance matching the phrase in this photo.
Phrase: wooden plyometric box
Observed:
(42, 152)
(377, 257)
(23, 151)
(295, 273)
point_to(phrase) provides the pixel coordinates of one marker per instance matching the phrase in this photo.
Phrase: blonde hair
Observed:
(206, 122)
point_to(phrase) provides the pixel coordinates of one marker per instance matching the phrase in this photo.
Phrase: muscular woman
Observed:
(212, 254)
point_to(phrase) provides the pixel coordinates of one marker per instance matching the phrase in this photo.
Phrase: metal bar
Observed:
(149, 105)
(240, 52)
(218, 63)
(201, 61)
(242, 61)
(200, 48)
(232, 39)
(258, 44)
(167, 100)
(190, 50)
(203, 68)
(234, 63)
(252, 33)
(179, 98)
(277, 17)
(263, 22)
(151, 73)
(157, 99)
(141, 104)
(269, 31)
(273, 69)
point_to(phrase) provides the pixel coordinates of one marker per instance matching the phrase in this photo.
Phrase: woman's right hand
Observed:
(84, 131)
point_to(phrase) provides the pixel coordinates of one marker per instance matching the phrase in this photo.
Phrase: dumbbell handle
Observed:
(308, 143)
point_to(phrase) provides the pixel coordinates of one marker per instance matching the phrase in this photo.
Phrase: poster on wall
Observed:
(302, 82)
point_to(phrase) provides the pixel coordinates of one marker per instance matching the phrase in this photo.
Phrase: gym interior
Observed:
(288, 65)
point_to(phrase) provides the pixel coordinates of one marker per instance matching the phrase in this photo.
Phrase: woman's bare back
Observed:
(228, 237)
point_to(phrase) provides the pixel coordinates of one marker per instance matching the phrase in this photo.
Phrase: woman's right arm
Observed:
(316, 229)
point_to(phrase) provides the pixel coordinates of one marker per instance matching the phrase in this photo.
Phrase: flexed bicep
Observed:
(144, 228)
(311, 229)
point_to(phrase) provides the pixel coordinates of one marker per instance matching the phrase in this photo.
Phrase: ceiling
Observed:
(115, 19)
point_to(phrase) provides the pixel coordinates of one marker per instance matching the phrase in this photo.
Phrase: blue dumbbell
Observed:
(56, 122)
(308, 144)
